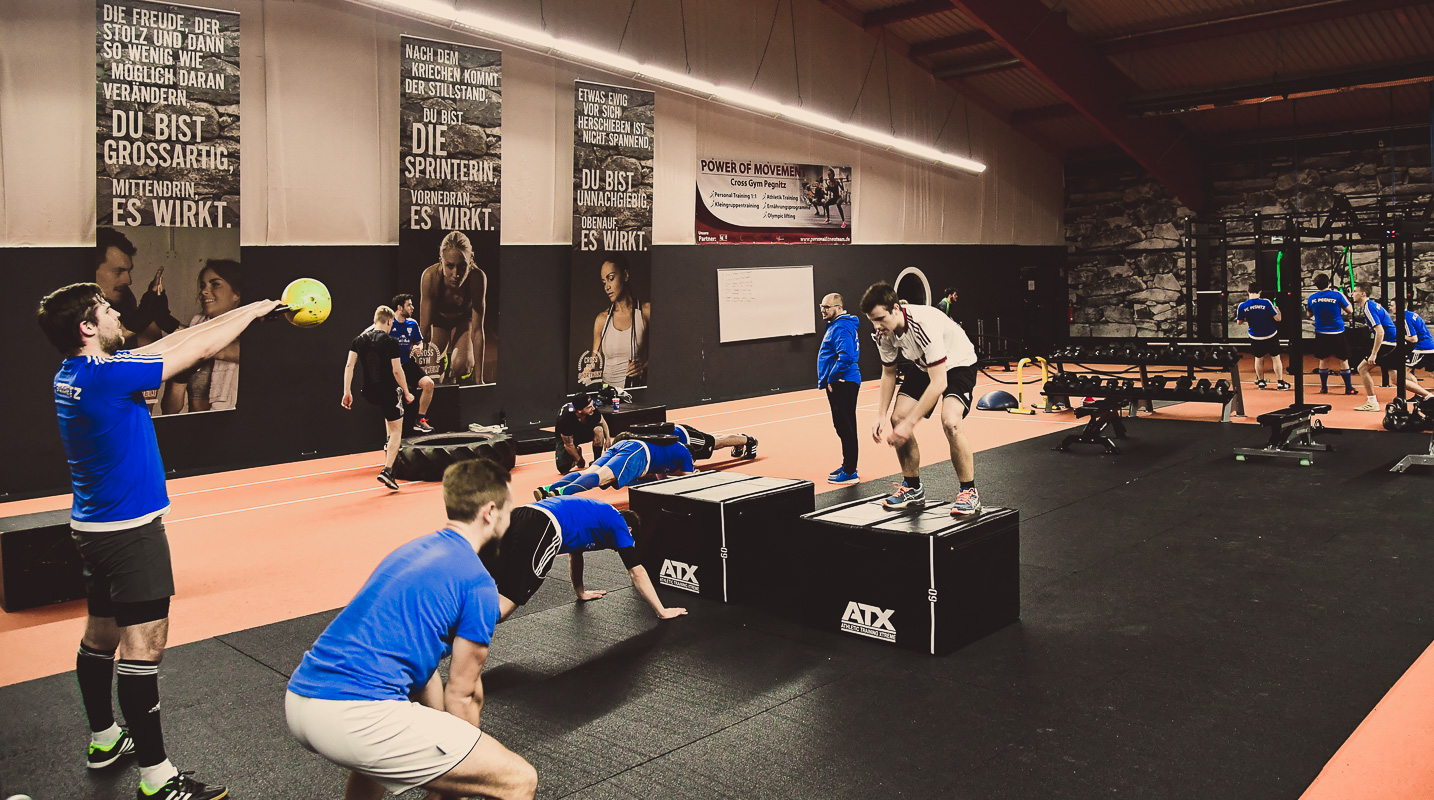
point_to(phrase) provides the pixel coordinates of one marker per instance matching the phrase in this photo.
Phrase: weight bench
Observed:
(1292, 433)
(1104, 420)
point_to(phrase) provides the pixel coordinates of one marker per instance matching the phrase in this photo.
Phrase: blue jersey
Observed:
(115, 468)
(1377, 317)
(631, 460)
(586, 524)
(1328, 307)
(1259, 314)
(389, 639)
(1414, 325)
(407, 334)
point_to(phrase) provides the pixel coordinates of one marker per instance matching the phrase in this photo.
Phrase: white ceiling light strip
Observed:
(444, 14)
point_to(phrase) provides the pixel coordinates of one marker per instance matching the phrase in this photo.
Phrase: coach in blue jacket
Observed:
(838, 374)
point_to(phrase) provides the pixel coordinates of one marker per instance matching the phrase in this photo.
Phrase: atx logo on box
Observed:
(865, 620)
(679, 575)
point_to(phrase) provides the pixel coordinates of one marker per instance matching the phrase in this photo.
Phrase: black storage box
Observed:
(723, 535)
(920, 580)
(39, 562)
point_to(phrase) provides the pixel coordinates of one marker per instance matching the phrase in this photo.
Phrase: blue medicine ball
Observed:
(997, 401)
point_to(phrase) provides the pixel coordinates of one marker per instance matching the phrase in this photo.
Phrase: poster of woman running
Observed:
(758, 202)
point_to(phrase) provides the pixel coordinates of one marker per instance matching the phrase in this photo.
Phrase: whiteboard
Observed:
(765, 302)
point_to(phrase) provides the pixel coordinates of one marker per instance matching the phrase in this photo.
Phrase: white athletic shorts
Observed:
(397, 743)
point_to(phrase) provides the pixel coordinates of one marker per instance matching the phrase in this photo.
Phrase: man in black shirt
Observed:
(384, 384)
(579, 423)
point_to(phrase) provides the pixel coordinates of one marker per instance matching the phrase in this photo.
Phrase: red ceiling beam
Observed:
(1090, 83)
(949, 43)
(1323, 11)
(973, 69)
(904, 12)
(1293, 88)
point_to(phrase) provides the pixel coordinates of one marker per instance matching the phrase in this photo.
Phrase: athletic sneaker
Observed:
(543, 493)
(968, 502)
(1351, 391)
(835, 471)
(422, 426)
(1260, 384)
(1283, 386)
(1324, 390)
(906, 497)
(386, 478)
(1368, 406)
(747, 450)
(100, 756)
(844, 478)
(181, 787)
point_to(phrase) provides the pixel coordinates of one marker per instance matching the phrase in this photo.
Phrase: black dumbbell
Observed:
(1158, 382)
(1127, 385)
(1112, 384)
(1203, 388)
(1183, 384)
(1222, 387)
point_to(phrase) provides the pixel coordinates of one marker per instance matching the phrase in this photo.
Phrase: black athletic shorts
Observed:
(960, 382)
(125, 567)
(1424, 361)
(1330, 345)
(1265, 347)
(524, 554)
(1389, 356)
(412, 373)
(389, 401)
(700, 444)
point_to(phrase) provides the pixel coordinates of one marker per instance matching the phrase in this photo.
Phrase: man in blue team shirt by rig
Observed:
(368, 696)
(119, 499)
(1264, 320)
(1384, 352)
(1421, 355)
(405, 332)
(1327, 306)
(565, 525)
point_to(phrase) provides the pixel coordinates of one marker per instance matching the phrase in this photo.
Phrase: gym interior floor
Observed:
(1191, 628)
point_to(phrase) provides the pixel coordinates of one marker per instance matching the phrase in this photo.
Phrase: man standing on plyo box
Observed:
(943, 375)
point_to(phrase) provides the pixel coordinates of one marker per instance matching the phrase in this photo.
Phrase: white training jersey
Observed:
(930, 338)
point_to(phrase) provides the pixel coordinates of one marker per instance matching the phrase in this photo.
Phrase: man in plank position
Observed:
(565, 525)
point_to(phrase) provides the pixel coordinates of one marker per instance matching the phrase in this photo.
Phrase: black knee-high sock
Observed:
(95, 672)
(138, 690)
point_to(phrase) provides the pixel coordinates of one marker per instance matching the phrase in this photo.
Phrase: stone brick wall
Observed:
(1128, 275)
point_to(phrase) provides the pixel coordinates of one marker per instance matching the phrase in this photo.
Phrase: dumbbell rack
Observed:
(1234, 401)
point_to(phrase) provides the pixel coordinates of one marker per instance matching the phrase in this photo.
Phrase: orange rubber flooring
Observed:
(263, 545)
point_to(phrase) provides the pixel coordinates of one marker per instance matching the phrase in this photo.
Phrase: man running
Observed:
(119, 500)
(943, 373)
(1263, 318)
(384, 384)
(410, 343)
(1384, 352)
(368, 697)
(549, 528)
(1327, 308)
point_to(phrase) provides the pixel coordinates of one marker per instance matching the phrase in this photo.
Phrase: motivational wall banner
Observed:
(450, 203)
(168, 115)
(612, 235)
(755, 202)
(167, 183)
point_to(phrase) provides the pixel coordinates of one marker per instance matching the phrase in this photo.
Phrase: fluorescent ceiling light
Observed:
(444, 14)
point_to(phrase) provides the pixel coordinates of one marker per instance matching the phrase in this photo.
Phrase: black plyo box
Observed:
(921, 580)
(39, 563)
(630, 414)
(723, 535)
